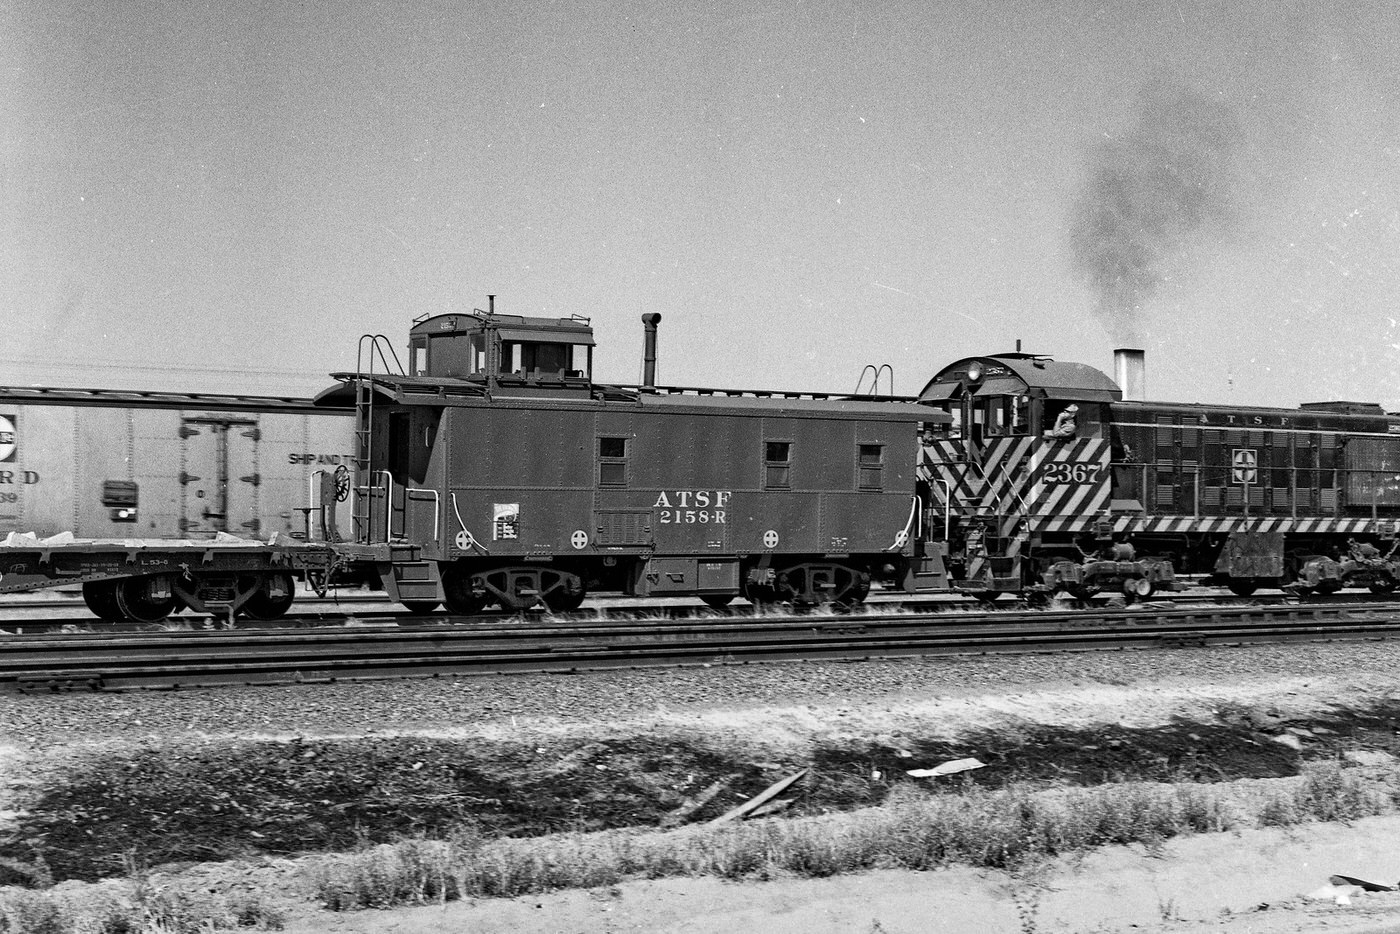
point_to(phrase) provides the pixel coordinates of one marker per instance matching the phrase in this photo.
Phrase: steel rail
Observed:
(192, 659)
(311, 614)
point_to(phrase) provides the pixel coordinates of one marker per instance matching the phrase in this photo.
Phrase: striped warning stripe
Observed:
(1138, 524)
(1023, 482)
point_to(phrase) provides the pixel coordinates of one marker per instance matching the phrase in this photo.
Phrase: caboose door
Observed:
(218, 476)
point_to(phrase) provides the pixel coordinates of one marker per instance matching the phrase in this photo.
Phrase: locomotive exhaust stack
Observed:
(651, 320)
(1130, 372)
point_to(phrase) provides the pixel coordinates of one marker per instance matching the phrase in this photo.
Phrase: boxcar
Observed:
(112, 464)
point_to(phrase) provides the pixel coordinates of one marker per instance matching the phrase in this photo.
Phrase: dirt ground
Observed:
(1255, 882)
(247, 797)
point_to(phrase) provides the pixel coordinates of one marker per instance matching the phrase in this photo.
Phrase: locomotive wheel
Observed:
(1242, 586)
(716, 601)
(420, 607)
(101, 599)
(1383, 588)
(263, 606)
(135, 602)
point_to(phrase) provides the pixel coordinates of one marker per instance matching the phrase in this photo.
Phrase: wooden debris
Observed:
(763, 797)
(681, 814)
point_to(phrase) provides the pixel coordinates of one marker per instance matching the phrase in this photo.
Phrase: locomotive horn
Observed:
(651, 320)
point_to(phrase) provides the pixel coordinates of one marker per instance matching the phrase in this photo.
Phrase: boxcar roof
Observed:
(142, 399)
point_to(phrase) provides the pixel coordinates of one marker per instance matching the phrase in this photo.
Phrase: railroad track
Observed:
(172, 660)
(30, 617)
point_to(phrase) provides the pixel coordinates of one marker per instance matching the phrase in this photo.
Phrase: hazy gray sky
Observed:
(238, 190)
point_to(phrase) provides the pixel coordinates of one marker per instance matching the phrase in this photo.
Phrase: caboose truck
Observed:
(1306, 499)
(496, 472)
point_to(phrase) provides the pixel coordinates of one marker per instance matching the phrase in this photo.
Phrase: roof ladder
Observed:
(375, 352)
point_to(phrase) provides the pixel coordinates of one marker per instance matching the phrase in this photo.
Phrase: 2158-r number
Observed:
(1072, 473)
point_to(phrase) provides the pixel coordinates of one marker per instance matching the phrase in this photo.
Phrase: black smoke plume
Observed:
(1150, 195)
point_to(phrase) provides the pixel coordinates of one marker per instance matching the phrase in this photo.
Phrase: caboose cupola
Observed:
(504, 350)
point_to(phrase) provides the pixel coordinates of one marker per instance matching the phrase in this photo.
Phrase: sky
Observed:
(223, 196)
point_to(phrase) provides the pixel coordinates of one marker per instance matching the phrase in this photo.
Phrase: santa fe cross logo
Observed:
(1244, 464)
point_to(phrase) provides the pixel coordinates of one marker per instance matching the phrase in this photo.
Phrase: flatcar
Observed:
(155, 469)
(496, 471)
(1047, 478)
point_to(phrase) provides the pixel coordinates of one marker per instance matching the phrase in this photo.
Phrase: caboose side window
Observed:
(777, 465)
(612, 461)
(870, 466)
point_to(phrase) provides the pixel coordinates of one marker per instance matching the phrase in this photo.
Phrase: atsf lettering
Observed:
(1245, 421)
(689, 507)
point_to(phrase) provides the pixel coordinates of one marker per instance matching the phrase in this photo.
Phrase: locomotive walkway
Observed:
(173, 660)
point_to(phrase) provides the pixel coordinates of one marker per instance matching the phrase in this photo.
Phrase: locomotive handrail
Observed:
(947, 505)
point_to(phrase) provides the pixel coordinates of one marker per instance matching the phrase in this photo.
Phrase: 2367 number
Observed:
(1072, 473)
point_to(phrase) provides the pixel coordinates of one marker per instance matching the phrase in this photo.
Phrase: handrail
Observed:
(378, 344)
(875, 379)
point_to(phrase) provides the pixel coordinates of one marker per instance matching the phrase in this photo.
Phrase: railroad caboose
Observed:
(496, 471)
(1305, 498)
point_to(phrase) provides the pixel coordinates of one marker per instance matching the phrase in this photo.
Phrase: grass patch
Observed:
(133, 906)
(1009, 828)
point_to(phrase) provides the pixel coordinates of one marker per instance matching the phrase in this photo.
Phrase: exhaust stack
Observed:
(1130, 371)
(651, 320)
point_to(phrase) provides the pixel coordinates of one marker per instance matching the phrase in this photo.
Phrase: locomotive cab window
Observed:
(1007, 415)
(870, 466)
(612, 461)
(777, 465)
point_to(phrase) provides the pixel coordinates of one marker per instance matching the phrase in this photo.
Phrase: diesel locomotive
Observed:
(1306, 499)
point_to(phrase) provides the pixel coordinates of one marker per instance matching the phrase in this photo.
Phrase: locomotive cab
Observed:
(1027, 452)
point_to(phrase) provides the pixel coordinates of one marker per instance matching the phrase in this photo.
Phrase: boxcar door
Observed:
(219, 476)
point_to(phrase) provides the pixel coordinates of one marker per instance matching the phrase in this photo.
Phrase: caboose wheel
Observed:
(1383, 588)
(420, 607)
(561, 601)
(716, 601)
(459, 595)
